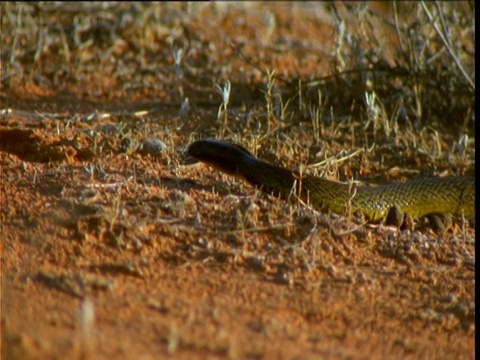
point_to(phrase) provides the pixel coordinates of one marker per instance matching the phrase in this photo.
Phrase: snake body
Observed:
(418, 197)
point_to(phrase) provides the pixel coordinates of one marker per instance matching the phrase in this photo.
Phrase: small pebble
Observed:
(152, 147)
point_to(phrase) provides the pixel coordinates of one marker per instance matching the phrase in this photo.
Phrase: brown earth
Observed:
(116, 247)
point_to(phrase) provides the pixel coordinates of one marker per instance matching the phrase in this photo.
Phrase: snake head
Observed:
(221, 155)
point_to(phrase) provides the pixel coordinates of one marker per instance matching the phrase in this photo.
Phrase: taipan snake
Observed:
(419, 197)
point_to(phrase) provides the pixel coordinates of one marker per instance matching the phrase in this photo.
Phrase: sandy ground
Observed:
(114, 246)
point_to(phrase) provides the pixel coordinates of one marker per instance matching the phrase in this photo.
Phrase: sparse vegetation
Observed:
(175, 259)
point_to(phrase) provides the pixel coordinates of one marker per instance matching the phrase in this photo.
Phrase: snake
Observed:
(420, 197)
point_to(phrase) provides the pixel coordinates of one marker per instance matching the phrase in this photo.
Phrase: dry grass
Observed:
(197, 264)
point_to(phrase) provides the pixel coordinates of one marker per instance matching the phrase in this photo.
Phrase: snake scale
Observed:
(418, 197)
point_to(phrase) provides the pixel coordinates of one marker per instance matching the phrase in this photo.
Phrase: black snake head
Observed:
(221, 155)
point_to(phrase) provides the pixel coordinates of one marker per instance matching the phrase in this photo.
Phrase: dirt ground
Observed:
(117, 246)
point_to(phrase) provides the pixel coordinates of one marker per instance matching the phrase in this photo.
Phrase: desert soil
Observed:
(117, 246)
